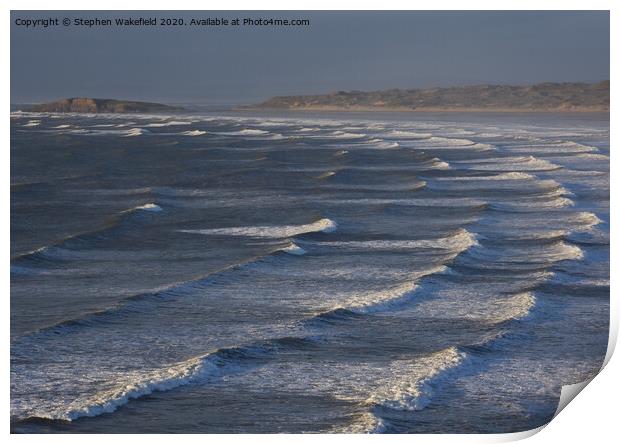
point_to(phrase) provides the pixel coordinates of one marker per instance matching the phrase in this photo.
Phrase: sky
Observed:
(337, 51)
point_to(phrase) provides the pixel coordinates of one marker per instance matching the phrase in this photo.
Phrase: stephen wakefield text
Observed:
(90, 22)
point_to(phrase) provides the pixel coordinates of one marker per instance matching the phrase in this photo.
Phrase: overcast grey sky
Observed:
(338, 51)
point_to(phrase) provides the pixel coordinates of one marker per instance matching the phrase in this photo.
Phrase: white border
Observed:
(312, 5)
(591, 418)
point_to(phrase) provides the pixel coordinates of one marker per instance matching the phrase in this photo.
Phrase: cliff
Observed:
(88, 105)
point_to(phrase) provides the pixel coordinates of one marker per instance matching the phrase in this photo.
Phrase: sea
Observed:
(222, 271)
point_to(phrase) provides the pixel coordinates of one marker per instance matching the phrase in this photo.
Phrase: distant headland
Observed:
(89, 105)
(557, 97)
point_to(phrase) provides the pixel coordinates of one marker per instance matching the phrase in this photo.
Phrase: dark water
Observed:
(399, 273)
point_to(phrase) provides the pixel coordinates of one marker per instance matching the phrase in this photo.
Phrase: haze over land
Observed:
(539, 97)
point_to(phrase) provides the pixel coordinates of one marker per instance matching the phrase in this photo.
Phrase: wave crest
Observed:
(275, 231)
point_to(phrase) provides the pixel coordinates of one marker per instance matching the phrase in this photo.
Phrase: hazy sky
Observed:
(338, 51)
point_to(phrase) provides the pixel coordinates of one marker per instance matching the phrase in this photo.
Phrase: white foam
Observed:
(193, 133)
(245, 132)
(593, 156)
(136, 132)
(447, 202)
(514, 307)
(405, 384)
(275, 231)
(308, 129)
(402, 134)
(526, 223)
(326, 175)
(377, 301)
(523, 163)
(275, 136)
(394, 297)
(170, 123)
(387, 145)
(434, 163)
(535, 204)
(293, 249)
(148, 207)
(440, 164)
(366, 422)
(389, 298)
(459, 241)
(528, 255)
(445, 143)
(502, 176)
(411, 387)
(134, 385)
(553, 148)
(451, 141)
(345, 135)
(567, 252)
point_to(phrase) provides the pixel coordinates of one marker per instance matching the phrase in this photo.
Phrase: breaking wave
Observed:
(136, 132)
(293, 249)
(169, 123)
(146, 207)
(461, 240)
(137, 384)
(276, 231)
(244, 132)
(193, 133)
(410, 384)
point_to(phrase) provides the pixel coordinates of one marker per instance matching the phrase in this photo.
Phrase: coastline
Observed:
(422, 110)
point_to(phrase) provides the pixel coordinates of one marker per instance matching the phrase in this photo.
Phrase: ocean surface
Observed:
(257, 273)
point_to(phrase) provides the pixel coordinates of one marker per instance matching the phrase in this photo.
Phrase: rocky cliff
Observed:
(88, 105)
